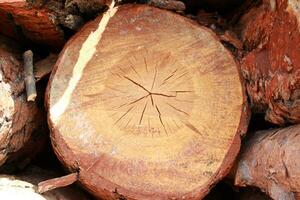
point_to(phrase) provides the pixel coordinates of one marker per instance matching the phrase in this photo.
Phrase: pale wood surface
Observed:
(24, 187)
(146, 103)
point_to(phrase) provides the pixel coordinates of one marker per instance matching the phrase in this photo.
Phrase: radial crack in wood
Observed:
(145, 107)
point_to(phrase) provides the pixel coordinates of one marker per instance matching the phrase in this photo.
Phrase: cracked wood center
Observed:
(149, 96)
(147, 105)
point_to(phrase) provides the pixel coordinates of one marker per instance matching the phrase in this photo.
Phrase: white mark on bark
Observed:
(11, 188)
(7, 109)
(294, 8)
(244, 172)
(272, 5)
(86, 53)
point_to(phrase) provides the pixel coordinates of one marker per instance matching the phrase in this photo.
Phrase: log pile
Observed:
(150, 99)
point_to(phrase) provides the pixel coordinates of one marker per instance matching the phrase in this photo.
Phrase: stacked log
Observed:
(136, 100)
(271, 34)
(146, 103)
(270, 161)
(18, 19)
(18, 118)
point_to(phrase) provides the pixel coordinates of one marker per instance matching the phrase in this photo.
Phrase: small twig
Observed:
(57, 183)
(29, 77)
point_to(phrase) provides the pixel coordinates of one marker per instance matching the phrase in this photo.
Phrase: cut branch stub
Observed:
(146, 104)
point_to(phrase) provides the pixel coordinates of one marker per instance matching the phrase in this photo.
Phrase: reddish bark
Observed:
(17, 117)
(272, 68)
(270, 161)
(55, 183)
(37, 24)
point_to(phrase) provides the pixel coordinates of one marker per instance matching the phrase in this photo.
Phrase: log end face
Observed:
(144, 126)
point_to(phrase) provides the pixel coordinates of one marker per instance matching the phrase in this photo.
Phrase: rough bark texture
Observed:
(146, 104)
(88, 7)
(17, 116)
(270, 161)
(24, 187)
(271, 34)
(18, 19)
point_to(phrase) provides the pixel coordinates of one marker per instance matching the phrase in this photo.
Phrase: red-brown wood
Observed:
(271, 34)
(17, 18)
(18, 118)
(146, 104)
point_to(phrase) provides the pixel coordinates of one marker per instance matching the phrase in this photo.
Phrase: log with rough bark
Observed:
(18, 118)
(270, 161)
(18, 19)
(24, 187)
(271, 34)
(146, 104)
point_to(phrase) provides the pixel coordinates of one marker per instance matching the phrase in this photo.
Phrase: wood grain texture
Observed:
(270, 161)
(146, 104)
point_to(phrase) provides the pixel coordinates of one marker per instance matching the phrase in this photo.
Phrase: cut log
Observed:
(146, 104)
(271, 32)
(18, 118)
(37, 24)
(270, 161)
(24, 187)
